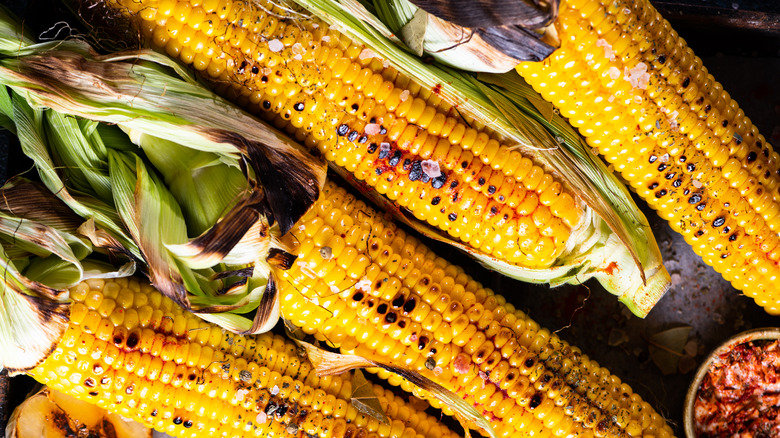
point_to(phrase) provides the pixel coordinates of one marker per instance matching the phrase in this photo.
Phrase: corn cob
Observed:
(364, 285)
(638, 93)
(402, 140)
(133, 351)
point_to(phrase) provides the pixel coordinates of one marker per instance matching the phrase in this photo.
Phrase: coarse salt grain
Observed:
(298, 48)
(326, 38)
(404, 95)
(664, 158)
(275, 45)
(384, 148)
(261, 418)
(696, 183)
(334, 289)
(438, 371)
(298, 57)
(364, 285)
(366, 54)
(608, 51)
(275, 390)
(614, 73)
(431, 168)
(372, 129)
(461, 364)
(637, 76)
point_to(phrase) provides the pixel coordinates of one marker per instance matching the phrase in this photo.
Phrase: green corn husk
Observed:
(145, 186)
(42, 254)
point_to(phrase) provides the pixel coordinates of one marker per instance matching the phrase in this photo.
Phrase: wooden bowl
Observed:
(767, 333)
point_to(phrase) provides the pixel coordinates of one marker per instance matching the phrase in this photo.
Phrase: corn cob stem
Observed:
(364, 285)
(639, 94)
(133, 351)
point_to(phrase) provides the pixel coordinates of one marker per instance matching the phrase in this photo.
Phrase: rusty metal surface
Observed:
(592, 319)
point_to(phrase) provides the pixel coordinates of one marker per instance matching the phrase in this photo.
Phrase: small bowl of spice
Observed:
(736, 390)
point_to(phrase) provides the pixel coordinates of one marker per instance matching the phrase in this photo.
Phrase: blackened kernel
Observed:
(767, 174)
(452, 217)
(391, 317)
(686, 82)
(536, 400)
(719, 221)
(701, 206)
(382, 130)
(378, 171)
(358, 296)
(398, 301)
(529, 362)
(493, 210)
(177, 420)
(407, 164)
(766, 152)
(695, 198)
(355, 107)
(453, 184)
(670, 175)
(700, 233)
(435, 200)
(752, 157)
(264, 79)
(682, 158)
(707, 108)
(353, 136)
(723, 256)
(381, 309)
(686, 192)
(491, 190)
(93, 393)
(299, 106)
(430, 363)
(154, 413)
(409, 305)
(187, 424)
(464, 164)
(132, 340)
(725, 123)
(661, 167)
(653, 186)
(690, 167)
(90, 382)
(342, 130)
(653, 158)
(677, 183)
(501, 198)
(481, 181)
(423, 341)
(395, 158)
(362, 139)
(661, 193)
(733, 237)
(726, 230)
(402, 324)
(662, 58)
(416, 171)
(372, 148)
(439, 181)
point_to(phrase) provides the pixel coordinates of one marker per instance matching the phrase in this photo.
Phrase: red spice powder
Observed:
(740, 396)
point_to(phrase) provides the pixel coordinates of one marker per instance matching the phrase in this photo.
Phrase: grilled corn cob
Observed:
(133, 351)
(638, 93)
(410, 147)
(364, 285)
(402, 140)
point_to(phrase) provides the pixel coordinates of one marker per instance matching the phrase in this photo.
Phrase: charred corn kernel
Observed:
(643, 99)
(369, 119)
(438, 321)
(250, 386)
